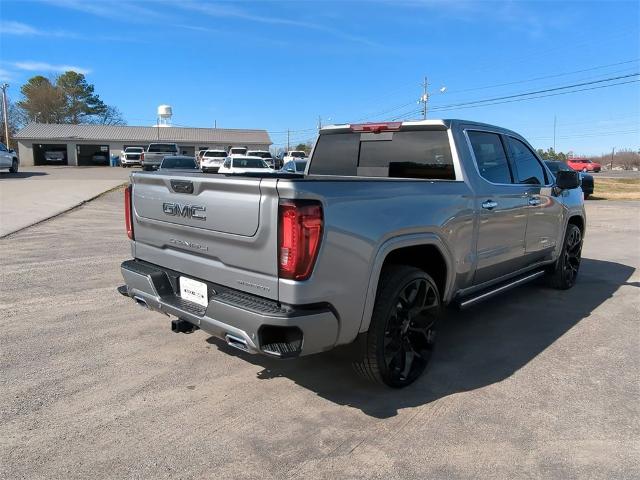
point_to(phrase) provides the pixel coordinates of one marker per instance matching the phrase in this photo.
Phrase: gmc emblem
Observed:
(186, 211)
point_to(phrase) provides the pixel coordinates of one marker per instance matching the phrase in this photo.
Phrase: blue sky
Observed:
(279, 65)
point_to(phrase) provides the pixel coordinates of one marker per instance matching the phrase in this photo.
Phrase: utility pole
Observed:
(319, 123)
(613, 152)
(4, 114)
(424, 98)
(554, 133)
(215, 124)
(288, 149)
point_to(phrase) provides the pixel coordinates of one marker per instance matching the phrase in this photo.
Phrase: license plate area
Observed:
(193, 291)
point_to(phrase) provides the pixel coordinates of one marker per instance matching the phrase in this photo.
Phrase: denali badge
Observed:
(187, 211)
(184, 243)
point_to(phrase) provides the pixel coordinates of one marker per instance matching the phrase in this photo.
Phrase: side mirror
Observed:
(12, 150)
(566, 180)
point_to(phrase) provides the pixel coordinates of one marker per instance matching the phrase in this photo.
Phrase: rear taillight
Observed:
(142, 156)
(128, 217)
(299, 235)
(376, 127)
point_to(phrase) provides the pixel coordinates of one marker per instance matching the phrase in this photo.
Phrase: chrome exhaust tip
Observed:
(236, 342)
(142, 302)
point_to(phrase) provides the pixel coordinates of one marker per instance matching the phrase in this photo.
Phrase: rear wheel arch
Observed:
(425, 251)
(578, 221)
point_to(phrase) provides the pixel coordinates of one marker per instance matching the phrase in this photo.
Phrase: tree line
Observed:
(625, 158)
(68, 98)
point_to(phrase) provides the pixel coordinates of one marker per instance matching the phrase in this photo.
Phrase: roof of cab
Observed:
(446, 122)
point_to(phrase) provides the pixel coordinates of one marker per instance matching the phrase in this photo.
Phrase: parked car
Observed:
(100, 158)
(287, 266)
(54, 156)
(245, 164)
(155, 153)
(131, 156)
(238, 151)
(294, 166)
(264, 154)
(212, 160)
(199, 155)
(179, 162)
(586, 180)
(8, 159)
(584, 165)
(293, 155)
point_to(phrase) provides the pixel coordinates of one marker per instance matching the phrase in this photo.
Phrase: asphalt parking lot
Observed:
(534, 384)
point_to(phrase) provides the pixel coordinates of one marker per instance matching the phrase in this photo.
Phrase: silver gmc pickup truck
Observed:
(390, 223)
(152, 157)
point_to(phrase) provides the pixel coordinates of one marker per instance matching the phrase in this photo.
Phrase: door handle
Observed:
(489, 204)
(534, 201)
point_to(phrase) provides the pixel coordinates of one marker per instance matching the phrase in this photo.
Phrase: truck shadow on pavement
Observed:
(477, 347)
(22, 174)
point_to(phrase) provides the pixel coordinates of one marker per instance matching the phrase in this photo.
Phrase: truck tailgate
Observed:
(220, 229)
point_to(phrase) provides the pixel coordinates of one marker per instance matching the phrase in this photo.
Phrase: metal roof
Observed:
(56, 131)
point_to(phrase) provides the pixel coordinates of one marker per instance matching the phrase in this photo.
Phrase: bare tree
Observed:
(110, 116)
(16, 119)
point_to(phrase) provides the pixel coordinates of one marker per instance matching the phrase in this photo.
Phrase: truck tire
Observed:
(565, 271)
(14, 166)
(399, 343)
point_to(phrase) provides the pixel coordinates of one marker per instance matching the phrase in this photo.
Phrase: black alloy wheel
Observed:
(565, 272)
(402, 333)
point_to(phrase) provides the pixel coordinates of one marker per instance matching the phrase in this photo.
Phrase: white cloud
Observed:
(22, 29)
(17, 28)
(231, 11)
(48, 67)
(6, 75)
(117, 10)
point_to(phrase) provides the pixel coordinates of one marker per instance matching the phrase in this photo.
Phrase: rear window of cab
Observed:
(419, 154)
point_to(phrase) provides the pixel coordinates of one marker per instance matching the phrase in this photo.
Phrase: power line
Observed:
(590, 134)
(539, 96)
(543, 77)
(398, 107)
(546, 90)
(482, 103)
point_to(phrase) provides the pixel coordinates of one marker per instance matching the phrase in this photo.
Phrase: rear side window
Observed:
(491, 158)
(528, 168)
(421, 154)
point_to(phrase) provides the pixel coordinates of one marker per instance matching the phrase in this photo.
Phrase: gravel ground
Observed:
(534, 384)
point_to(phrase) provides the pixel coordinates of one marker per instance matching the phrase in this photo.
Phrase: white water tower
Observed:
(164, 115)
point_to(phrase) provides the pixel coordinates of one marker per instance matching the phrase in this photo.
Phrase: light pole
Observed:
(5, 115)
(424, 98)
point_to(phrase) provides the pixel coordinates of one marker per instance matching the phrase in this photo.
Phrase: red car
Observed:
(584, 165)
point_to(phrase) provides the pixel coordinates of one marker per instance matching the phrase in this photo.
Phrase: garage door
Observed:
(93, 155)
(50, 154)
(187, 150)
